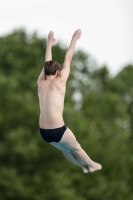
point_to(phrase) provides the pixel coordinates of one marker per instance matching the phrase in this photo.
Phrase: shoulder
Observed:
(64, 73)
(40, 83)
(62, 77)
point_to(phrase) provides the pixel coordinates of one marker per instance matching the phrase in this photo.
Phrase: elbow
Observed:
(68, 56)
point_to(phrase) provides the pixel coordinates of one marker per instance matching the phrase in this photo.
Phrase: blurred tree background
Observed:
(98, 109)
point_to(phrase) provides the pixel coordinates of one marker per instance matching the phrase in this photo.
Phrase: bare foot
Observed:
(85, 169)
(94, 167)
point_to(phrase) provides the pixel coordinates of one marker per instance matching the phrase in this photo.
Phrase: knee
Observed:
(77, 147)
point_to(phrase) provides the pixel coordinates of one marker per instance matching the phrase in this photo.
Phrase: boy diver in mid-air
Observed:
(51, 91)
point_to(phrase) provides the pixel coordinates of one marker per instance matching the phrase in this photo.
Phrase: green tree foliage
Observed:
(98, 109)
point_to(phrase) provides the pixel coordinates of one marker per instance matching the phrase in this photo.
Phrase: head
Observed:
(51, 68)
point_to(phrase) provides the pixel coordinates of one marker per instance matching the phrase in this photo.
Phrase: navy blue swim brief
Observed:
(53, 135)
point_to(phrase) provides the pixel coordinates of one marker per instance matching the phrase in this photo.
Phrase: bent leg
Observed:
(70, 156)
(69, 141)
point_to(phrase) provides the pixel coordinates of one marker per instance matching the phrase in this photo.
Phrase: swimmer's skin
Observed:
(51, 91)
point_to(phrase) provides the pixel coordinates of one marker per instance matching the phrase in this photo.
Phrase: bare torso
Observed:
(51, 94)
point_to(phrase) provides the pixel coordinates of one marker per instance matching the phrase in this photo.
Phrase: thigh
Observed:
(60, 147)
(69, 140)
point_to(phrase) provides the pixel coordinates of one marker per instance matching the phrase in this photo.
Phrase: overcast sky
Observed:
(107, 25)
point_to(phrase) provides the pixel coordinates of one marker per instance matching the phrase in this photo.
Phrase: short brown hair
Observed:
(50, 67)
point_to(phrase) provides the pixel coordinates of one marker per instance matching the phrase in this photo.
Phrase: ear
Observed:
(57, 72)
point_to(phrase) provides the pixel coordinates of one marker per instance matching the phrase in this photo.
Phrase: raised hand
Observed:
(51, 38)
(77, 34)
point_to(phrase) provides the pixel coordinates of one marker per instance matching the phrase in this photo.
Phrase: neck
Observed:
(51, 77)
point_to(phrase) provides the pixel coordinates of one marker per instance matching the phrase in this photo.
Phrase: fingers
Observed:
(77, 34)
(51, 33)
(78, 30)
(51, 37)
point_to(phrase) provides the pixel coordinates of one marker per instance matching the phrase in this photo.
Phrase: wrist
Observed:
(74, 40)
(49, 43)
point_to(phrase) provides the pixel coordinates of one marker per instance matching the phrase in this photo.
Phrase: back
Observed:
(51, 94)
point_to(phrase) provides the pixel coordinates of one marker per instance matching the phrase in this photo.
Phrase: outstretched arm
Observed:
(50, 41)
(48, 54)
(69, 54)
